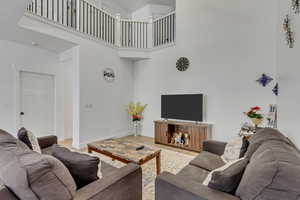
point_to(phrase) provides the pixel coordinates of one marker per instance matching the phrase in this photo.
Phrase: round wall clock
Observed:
(109, 75)
(182, 64)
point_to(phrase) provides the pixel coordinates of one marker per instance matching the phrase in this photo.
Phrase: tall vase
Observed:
(256, 121)
(136, 125)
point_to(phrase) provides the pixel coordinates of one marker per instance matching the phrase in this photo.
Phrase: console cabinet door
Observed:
(161, 135)
(198, 135)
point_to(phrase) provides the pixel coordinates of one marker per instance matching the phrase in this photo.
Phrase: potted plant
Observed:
(256, 117)
(135, 110)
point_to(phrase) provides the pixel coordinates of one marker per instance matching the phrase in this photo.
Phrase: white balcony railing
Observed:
(83, 17)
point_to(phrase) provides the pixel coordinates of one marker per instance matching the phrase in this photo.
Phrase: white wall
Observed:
(288, 75)
(15, 58)
(102, 106)
(153, 10)
(229, 44)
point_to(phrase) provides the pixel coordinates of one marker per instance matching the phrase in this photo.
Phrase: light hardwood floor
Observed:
(140, 139)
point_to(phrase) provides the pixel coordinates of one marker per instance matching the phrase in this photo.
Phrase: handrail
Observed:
(86, 18)
(164, 16)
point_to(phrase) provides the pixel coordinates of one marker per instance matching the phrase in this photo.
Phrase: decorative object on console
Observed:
(135, 110)
(264, 80)
(289, 34)
(109, 75)
(255, 117)
(182, 64)
(296, 6)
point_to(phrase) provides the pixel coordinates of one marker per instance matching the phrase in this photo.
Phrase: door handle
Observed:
(22, 113)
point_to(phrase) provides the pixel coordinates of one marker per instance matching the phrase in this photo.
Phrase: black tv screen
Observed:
(182, 107)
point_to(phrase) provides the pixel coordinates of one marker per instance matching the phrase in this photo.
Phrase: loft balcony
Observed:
(133, 39)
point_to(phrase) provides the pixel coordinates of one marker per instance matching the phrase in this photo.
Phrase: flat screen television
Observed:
(182, 107)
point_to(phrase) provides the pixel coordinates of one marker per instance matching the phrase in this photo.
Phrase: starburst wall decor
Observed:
(264, 80)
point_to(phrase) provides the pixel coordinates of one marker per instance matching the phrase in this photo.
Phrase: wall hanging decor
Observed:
(182, 64)
(289, 34)
(109, 75)
(275, 89)
(264, 80)
(296, 6)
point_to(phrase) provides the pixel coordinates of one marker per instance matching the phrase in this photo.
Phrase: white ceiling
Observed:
(132, 5)
(11, 13)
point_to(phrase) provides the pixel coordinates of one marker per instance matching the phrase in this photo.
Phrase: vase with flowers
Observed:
(135, 110)
(255, 115)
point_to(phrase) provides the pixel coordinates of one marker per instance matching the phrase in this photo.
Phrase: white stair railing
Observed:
(83, 17)
(134, 34)
(164, 30)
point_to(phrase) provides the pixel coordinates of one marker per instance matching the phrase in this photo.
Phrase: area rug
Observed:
(171, 161)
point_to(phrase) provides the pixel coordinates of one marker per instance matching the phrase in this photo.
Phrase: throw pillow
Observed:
(29, 139)
(22, 136)
(244, 148)
(227, 165)
(83, 168)
(229, 179)
(232, 150)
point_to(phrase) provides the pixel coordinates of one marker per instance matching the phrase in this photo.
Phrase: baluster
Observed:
(109, 29)
(91, 19)
(141, 35)
(97, 23)
(62, 11)
(145, 33)
(57, 12)
(174, 24)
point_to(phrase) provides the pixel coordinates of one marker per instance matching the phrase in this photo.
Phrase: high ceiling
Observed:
(132, 5)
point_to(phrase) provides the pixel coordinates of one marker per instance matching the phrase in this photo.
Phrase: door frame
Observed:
(17, 81)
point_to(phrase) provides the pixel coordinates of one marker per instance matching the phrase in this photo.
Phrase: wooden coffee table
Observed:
(125, 151)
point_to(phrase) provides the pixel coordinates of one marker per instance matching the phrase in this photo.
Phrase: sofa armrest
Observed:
(172, 187)
(124, 184)
(47, 141)
(215, 147)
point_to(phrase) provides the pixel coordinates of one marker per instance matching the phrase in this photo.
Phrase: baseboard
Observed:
(117, 135)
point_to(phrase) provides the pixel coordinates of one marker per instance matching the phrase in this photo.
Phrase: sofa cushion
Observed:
(208, 161)
(244, 148)
(6, 137)
(47, 151)
(272, 173)
(233, 150)
(83, 168)
(228, 179)
(37, 177)
(49, 178)
(11, 168)
(194, 173)
(262, 136)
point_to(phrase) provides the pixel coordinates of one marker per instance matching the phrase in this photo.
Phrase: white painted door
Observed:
(37, 103)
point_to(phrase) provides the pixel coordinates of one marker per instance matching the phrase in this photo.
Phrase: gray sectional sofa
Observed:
(27, 175)
(273, 172)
